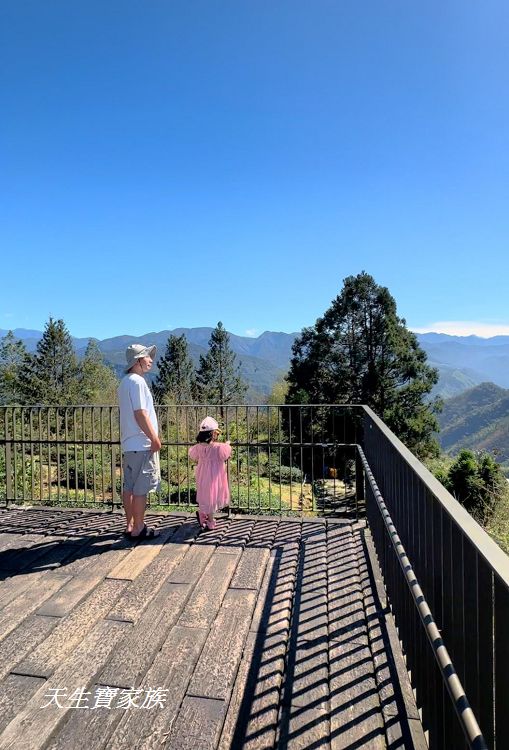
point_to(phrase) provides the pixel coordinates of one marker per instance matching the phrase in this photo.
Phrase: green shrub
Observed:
(477, 482)
(83, 469)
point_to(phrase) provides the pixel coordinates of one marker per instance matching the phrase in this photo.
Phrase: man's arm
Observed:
(144, 423)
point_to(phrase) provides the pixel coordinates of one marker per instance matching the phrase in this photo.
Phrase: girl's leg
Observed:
(201, 516)
(211, 522)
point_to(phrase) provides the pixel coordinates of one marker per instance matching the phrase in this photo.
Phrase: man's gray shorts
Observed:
(141, 472)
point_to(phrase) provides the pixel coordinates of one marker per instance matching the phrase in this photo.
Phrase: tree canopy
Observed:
(360, 351)
(97, 383)
(217, 379)
(477, 482)
(175, 382)
(13, 360)
(51, 376)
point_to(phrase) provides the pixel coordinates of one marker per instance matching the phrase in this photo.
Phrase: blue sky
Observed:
(172, 163)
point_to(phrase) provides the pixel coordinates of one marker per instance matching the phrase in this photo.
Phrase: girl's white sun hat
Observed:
(208, 424)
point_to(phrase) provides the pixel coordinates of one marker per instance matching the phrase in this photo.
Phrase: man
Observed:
(139, 439)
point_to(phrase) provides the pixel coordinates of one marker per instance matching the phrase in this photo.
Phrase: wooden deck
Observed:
(267, 633)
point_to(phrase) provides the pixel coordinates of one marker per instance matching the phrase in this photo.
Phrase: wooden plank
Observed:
(88, 730)
(355, 710)
(198, 725)
(280, 604)
(11, 542)
(33, 725)
(265, 595)
(133, 563)
(40, 556)
(237, 533)
(232, 734)
(134, 656)
(16, 585)
(251, 568)
(308, 675)
(172, 668)
(28, 601)
(304, 720)
(27, 636)
(263, 533)
(208, 594)
(304, 728)
(97, 555)
(192, 566)
(213, 536)
(69, 633)
(71, 594)
(147, 584)
(15, 691)
(346, 608)
(253, 721)
(216, 669)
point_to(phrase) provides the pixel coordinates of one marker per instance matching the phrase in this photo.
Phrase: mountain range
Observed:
(463, 361)
(263, 360)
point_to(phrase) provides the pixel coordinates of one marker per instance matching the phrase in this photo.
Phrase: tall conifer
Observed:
(361, 352)
(14, 359)
(97, 382)
(53, 375)
(175, 381)
(217, 379)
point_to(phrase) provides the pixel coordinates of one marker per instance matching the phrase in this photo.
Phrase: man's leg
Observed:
(139, 504)
(127, 501)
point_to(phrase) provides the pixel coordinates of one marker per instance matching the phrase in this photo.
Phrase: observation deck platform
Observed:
(268, 632)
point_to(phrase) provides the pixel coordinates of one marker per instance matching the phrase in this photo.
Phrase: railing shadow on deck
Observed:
(316, 673)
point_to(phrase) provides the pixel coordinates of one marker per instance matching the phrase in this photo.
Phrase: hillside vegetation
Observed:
(477, 419)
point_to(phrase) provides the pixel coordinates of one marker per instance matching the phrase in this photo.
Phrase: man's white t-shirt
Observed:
(134, 394)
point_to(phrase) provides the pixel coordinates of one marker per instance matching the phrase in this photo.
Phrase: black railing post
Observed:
(8, 461)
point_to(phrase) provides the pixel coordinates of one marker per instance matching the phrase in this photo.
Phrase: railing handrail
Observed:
(450, 677)
(481, 540)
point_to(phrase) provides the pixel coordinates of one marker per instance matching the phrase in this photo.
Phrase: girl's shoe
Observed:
(212, 524)
(202, 518)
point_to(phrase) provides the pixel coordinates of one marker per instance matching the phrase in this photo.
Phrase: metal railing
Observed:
(308, 460)
(285, 459)
(464, 577)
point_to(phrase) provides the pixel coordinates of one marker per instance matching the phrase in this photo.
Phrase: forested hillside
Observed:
(477, 419)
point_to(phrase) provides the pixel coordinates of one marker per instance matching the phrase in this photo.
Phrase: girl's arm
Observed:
(225, 450)
(194, 452)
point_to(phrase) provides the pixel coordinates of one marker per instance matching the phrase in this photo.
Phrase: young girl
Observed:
(212, 491)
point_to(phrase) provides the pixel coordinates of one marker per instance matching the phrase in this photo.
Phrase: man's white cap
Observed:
(135, 351)
(208, 424)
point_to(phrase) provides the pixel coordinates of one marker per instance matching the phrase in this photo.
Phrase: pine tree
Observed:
(53, 375)
(217, 379)
(14, 359)
(97, 382)
(361, 352)
(175, 382)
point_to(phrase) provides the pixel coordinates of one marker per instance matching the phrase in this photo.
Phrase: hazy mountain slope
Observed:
(453, 381)
(489, 358)
(477, 419)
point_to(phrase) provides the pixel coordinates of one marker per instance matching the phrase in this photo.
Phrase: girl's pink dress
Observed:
(212, 491)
